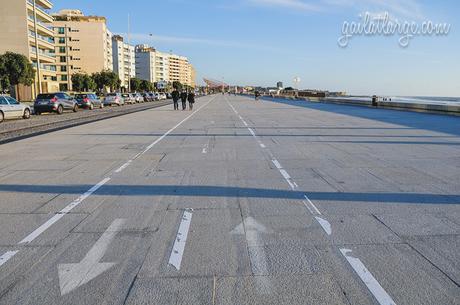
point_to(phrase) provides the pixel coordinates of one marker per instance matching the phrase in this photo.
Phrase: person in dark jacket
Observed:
(191, 99)
(175, 96)
(183, 97)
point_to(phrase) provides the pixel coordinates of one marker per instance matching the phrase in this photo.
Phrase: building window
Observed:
(63, 68)
(61, 31)
(61, 39)
(54, 78)
(62, 59)
(61, 49)
(64, 78)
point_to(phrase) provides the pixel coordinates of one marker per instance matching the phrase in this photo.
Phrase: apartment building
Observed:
(161, 66)
(181, 70)
(146, 63)
(124, 60)
(83, 45)
(25, 28)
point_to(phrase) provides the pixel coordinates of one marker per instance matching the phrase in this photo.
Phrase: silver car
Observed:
(12, 109)
(113, 99)
(129, 98)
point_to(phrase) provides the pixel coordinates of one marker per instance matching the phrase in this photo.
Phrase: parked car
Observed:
(147, 97)
(54, 102)
(161, 96)
(12, 109)
(153, 96)
(128, 98)
(168, 96)
(88, 101)
(113, 99)
(139, 98)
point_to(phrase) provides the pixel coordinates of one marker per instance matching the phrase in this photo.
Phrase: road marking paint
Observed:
(72, 276)
(205, 149)
(259, 265)
(179, 244)
(368, 279)
(174, 128)
(308, 201)
(7, 256)
(277, 164)
(124, 166)
(252, 132)
(262, 145)
(325, 225)
(62, 213)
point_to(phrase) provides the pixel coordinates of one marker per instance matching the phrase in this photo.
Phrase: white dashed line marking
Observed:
(325, 225)
(179, 244)
(368, 279)
(7, 256)
(62, 213)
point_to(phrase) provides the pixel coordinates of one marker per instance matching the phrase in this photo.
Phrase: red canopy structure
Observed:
(214, 84)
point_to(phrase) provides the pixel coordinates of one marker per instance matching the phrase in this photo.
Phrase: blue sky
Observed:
(260, 42)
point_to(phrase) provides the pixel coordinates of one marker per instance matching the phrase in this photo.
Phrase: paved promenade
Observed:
(238, 202)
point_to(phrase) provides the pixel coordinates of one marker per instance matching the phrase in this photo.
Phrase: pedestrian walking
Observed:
(191, 99)
(183, 97)
(175, 96)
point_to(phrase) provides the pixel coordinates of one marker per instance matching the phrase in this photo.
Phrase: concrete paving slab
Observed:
(15, 227)
(284, 290)
(404, 274)
(410, 224)
(442, 252)
(172, 291)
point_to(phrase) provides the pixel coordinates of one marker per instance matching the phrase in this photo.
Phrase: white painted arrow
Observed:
(252, 230)
(72, 276)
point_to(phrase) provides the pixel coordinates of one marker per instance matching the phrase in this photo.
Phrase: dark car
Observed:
(88, 101)
(54, 102)
(147, 97)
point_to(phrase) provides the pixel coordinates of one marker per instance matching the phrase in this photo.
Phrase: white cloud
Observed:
(150, 38)
(398, 8)
(294, 4)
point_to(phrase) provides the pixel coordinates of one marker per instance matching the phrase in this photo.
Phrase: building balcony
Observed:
(44, 57)
(45, 4)
(41, 13)
(43, 42)
(42, 28)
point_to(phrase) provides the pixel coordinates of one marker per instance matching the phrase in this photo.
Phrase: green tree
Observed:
(177, 85)
(146, 85)
(16, 69)
(136, 84)
(106, 79)
(83, 82)
(4, 81)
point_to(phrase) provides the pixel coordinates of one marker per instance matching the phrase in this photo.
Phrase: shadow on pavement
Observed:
(222, 191)
(416, 120)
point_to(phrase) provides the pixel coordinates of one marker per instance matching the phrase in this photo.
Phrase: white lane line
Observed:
(205, 149)
(369, 280)
(252, 132)
(277, 164)
(7, 256)
(123, 167)
(325, 225)
(62, 213)
(174, 128)
(309, 204)
(285, 174)
(179, 244)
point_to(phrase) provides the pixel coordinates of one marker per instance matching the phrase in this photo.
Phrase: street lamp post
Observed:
(37, 54)
(129, 53)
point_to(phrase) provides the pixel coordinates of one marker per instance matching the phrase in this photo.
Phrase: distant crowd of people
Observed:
(184, 97)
